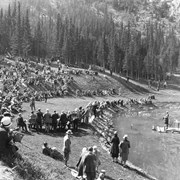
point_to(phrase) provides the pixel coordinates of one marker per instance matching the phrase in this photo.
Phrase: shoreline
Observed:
(130, 166)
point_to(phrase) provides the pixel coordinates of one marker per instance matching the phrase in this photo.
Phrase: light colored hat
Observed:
(125, 136)
(6, 121)
(115, 132)
(69, 132)
(54, 148)
(103, 171)
(94, 147)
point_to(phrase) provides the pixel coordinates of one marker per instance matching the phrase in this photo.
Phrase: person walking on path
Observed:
(67, 146)
(90, 165)
(124, 146)
(115, 147)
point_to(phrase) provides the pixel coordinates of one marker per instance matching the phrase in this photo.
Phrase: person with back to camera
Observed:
(90, 165)
(124, 146)
(115, 147)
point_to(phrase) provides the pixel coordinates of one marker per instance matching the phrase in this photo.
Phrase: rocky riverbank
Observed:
(103, 125)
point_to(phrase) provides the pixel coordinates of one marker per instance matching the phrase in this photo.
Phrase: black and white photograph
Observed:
(89, 89)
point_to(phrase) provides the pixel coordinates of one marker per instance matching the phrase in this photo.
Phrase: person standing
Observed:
(97, 154)
(32, 120)
(63, 120)
(67, 146)
(55, 117)
(21, 123)
(124, 146)
(80, 163)
(47, 121)
(115, 147)
(32, 104)
(45, 97)
(39, 119)
(166, 120)
(90, 165)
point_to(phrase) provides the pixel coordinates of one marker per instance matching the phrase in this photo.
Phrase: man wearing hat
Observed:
(124, 146)
(67, 146)
(5, 136)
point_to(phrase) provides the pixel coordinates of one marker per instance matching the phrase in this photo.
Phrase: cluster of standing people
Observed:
(89, 160)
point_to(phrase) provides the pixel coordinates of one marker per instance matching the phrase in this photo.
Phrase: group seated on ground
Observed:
(24, 78)
(141, 101)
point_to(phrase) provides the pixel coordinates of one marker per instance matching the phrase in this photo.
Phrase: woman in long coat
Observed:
(124, 145)
(115, 147)
(80, 163)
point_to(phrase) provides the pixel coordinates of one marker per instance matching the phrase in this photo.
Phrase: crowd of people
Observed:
(68, 121)
(25, 79)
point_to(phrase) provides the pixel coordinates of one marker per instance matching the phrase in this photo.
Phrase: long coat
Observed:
(80, 164)
(115, 146)
(124, 145)
(90, 165)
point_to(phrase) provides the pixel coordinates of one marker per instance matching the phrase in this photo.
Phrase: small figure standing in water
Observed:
(166, 120)
(124, 146)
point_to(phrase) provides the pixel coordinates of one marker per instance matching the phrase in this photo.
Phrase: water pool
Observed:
(157, 153)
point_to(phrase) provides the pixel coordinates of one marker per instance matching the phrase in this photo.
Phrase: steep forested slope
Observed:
(139, 38)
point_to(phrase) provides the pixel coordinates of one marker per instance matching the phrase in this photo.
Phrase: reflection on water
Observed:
(157, 153)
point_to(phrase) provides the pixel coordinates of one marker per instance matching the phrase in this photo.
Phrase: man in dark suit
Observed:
(90, 165)
(55, 117)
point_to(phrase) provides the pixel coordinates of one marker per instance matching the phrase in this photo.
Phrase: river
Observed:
(157, 153)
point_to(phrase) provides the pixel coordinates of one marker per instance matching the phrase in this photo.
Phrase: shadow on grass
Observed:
(81, 131)
(109, 178)
(23, 167)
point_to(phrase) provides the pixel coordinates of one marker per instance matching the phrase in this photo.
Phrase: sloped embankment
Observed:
(104, 126)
